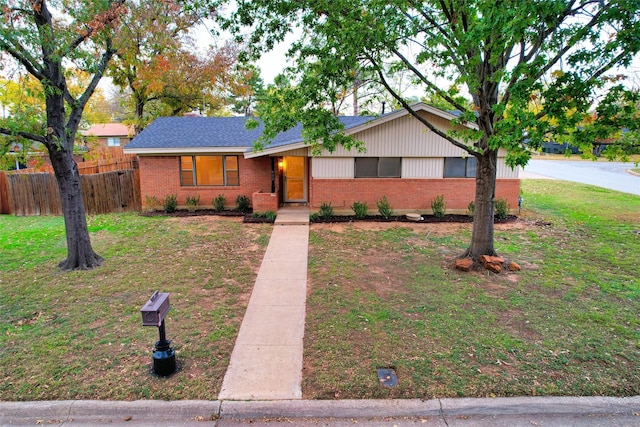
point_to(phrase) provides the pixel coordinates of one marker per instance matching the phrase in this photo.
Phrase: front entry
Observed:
(294, 170)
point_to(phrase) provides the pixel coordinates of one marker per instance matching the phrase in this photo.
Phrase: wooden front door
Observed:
(295, 179)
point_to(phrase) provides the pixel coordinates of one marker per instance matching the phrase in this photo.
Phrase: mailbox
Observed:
(155, 309)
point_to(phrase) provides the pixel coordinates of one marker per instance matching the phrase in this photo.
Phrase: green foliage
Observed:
(314, 216)
(326, 210)
(242, 203)
(384, 208)
(218, 203)
(471, 207)
(360, 209)
(192, 202)
(270, 216)
(438, 206)
(501, 208)
(170, 203)
(152, 203)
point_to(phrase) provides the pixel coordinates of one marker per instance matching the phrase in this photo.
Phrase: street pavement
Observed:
(605, 174)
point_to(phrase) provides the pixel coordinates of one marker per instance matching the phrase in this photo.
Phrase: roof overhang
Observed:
(272, 151)
(183, 150)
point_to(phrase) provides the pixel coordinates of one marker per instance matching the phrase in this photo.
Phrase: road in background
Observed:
(611, 175)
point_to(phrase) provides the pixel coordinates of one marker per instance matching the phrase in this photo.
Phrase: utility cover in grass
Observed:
(387, 377)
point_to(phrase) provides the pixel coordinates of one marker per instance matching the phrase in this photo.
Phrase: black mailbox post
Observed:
(153, 313)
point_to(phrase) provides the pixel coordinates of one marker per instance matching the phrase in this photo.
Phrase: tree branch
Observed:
(27, 135)
(411, 111)
(426, 81)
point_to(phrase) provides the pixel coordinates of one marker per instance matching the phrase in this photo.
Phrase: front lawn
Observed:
(79, 335)
(381, 295)
(566, 325)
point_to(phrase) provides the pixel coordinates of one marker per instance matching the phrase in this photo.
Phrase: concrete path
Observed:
(266, 362)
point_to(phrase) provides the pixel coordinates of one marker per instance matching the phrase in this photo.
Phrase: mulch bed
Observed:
(249, 218)
(451, 218)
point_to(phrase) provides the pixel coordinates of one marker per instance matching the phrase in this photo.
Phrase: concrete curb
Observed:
(188, 412)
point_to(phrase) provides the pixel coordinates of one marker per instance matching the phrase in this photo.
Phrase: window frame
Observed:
(470, 167)
(378, 165)
(111, 139)
(225, 171)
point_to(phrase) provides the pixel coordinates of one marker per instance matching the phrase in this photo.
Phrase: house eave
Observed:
(183, 150)
(250, 154)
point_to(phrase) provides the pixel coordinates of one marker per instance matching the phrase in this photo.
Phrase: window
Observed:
(458, 167)
(113, 142)
(209, 170)
(377, 167)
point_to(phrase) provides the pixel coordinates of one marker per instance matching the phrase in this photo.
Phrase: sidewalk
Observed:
(266, 362)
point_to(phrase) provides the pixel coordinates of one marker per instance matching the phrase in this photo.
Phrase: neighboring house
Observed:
(404, 161)
(110, 134)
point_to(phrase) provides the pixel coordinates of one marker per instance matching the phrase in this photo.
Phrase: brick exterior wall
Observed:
(264, 202)
(405, 194)
(160, 176)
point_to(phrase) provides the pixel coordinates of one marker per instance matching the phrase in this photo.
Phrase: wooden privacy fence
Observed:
(38, 194)
(129, 161)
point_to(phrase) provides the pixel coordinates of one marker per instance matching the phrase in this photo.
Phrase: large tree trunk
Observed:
(482, 235)
(80, 254)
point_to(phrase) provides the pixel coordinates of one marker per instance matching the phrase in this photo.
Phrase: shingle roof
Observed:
(205, 132)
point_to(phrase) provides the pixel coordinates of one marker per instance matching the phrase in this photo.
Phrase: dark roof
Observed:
(203, 132)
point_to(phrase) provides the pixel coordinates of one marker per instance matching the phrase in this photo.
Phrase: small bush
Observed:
(471, 208)
(219, 202)
(384, 208)
(501, 208)
(360, 209)
(314, 217)
(152, 203)
(242, 203)
(326, 210)
(170, 203)
(268, 215)
(438, 206)
(192, 203)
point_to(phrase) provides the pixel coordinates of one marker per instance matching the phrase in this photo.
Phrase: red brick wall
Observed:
(405, 194)
(264, 202)
(160, 176)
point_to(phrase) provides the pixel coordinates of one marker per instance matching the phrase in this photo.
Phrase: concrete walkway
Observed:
(266, 362)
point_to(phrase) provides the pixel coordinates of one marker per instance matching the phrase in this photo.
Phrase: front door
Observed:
(295, 179)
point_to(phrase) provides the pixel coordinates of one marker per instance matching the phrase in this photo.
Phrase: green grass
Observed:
(566, 325)
(78, 335)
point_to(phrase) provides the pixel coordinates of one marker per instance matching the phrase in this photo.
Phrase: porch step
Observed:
(292, 215)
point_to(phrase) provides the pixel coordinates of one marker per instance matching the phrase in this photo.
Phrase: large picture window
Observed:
(377, 167)
(458, 167)
(209, 170)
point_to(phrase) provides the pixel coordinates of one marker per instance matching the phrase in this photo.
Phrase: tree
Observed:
(157, 64)
(502, 53)
(44, 40)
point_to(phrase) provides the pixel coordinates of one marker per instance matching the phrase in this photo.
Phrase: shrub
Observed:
(242, 203)
(268, 215)
(219, 202)
(152, 203)
(314, 217)
(501, 208)
(438, 206)
(326, 210)
(384, 208)
(471, 207)
(360, 209)
(170, 203)
(192, 202)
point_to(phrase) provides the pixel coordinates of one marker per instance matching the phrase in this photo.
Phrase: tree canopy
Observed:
(503, 54)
